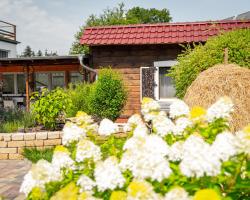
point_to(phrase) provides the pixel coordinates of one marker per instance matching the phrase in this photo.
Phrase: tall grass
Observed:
(34, 154)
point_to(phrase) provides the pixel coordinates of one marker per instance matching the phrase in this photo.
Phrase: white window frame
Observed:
(157, 65)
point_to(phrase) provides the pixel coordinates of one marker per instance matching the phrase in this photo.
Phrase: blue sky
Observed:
(51, 24)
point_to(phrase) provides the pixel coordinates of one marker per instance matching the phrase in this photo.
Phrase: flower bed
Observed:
(193, 155)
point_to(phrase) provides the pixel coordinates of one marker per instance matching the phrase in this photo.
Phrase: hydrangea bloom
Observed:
(85, 183)
(107, 127)
(243, 140)
(178, 108)
(108, 175)
(41, 173)
(72, 133)
(141, 130)
(145, 157)
(149, 105)
(181, 124)
(133, 122)
(87, 150)
(141, 190)
(176, 151)
(177, 193)
(163, 126)
(224, 146)
(221, 109)
(198, 159)
(61, 158)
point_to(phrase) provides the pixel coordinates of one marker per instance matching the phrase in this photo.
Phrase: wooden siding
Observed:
(128, 60)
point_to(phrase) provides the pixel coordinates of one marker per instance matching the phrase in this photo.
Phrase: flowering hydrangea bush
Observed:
(190, 155)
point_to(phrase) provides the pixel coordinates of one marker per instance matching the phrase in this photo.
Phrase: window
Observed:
(21, 88)
(164, 89)
(42, 80)
(57, 79)
(76, 77)
(166, 86)
(8, 84)
(3, 54)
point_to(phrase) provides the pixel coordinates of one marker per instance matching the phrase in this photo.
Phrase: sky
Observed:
(51, 24)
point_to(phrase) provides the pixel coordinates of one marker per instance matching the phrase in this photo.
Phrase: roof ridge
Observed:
(168, 24)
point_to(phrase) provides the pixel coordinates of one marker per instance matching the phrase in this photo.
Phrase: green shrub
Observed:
(195, 60)
(79, 94)
(9, 127)
(108, 95)
(50, 106)
(34, 154)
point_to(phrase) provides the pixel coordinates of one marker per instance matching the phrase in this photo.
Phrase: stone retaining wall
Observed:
(12, 144)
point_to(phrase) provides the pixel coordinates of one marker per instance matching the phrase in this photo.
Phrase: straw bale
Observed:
(223, 80)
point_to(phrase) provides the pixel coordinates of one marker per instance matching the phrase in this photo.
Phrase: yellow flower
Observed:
(80, 114)
(139, 189)
(146, 100)
(207, 194)
(61, 148)
(118, 195)
(69, 192)
(197, 112)
(36, 193)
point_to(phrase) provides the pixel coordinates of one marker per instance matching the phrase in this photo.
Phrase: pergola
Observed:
(32, 65)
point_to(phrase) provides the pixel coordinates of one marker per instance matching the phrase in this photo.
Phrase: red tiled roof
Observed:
(165, 33)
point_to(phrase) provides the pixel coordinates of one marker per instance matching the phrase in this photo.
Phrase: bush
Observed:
(50, 106)
(79, 95)
(34, 154)
(107, 95)
(201, 57)
(190, 156)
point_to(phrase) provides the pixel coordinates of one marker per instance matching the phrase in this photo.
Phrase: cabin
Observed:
(144, 53)
(22, 76)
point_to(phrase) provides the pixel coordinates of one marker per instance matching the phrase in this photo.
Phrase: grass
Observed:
(34, 154)
(13, 119)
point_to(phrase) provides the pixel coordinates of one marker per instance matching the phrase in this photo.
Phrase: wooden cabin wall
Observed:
(128, 60)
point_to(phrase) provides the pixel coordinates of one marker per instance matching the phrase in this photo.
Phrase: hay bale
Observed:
(223, 80)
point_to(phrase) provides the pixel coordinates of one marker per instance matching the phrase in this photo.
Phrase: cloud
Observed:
(36, 27)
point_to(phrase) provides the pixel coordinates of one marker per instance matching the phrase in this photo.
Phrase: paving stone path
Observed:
(11, 177)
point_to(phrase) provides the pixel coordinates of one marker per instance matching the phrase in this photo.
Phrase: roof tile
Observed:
(163, 33)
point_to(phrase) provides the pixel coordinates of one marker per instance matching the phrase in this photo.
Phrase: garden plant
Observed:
(190, 155)
(198, 57)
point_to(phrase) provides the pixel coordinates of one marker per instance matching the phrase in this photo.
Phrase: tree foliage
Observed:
(119, 16)
(195, 60)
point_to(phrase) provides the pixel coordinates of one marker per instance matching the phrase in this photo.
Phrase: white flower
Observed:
(198, 158)
(163, 126)
(145, 157)
(148, 105)
(133, 122)
(176, 151)
(177, 193)
(87, 150)
(243, 142)
(61, 159)
(107, 127)
(141, 130)
(225, 146)
(108, 175)
(181, 124)
(72, 133)
(221, 109)
(178, 108)
(85, 183)
(41, 173)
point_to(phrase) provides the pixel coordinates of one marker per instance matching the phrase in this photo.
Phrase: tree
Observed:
(119, 16)
(39, 53)
(27, 52)
(195, 60)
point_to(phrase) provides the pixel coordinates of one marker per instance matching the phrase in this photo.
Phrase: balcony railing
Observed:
(7, 30)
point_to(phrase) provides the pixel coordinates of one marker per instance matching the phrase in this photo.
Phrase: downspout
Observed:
(80, 58)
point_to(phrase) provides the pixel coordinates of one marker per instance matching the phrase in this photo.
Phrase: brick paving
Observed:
(11, 177)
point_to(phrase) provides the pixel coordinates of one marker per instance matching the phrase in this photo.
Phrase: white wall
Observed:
(10, 47)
